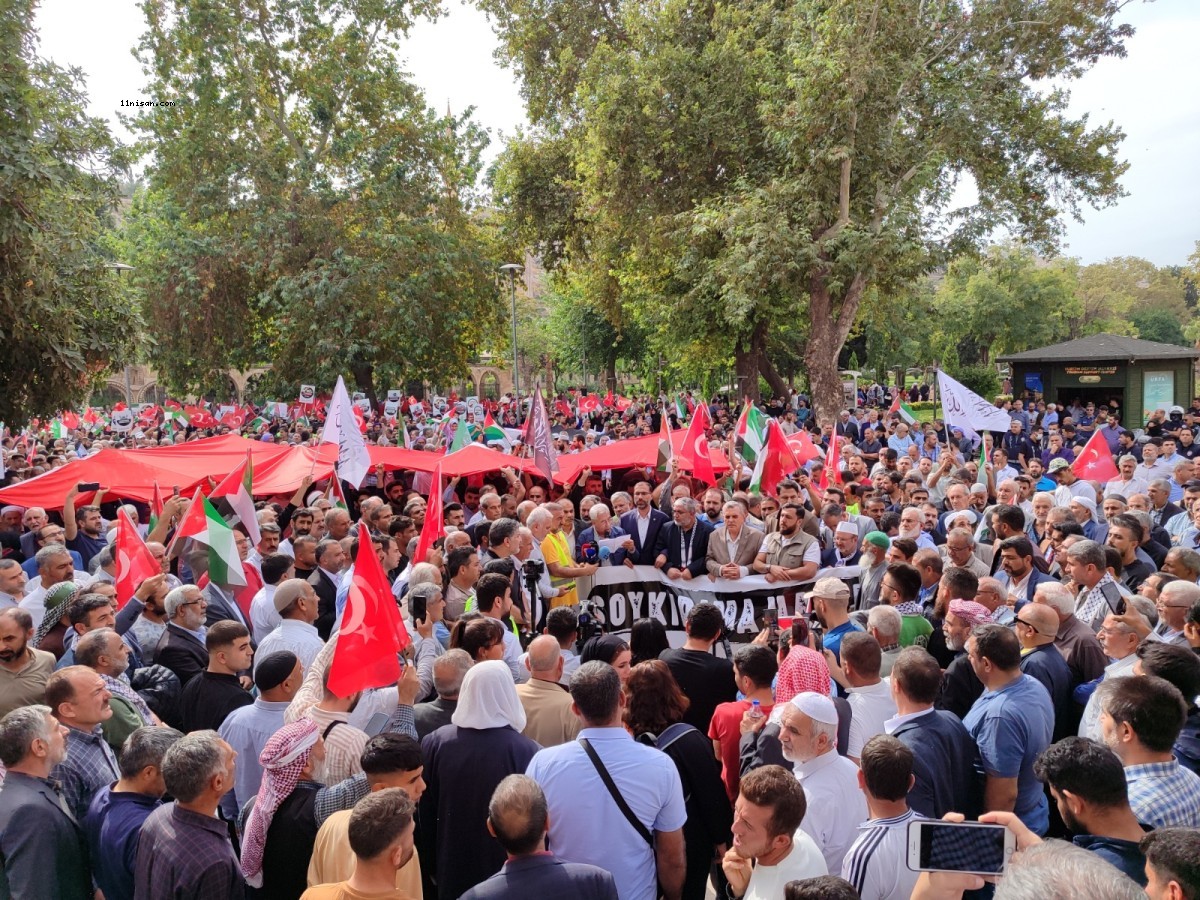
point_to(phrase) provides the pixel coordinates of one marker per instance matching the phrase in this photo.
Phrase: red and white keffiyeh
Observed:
(283, 760)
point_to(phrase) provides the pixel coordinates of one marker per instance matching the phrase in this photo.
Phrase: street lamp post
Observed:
(513, 270)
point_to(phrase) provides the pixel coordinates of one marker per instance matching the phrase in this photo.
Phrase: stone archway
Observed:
(489, 386)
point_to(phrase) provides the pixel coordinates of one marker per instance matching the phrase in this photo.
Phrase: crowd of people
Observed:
(1009, 643)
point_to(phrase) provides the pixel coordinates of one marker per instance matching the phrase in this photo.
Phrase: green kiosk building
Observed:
(1140, 376)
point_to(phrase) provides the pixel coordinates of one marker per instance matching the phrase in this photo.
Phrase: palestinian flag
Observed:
(751, 433)
(156, 508)
(981, 476)
(176, 418)
(494, 434)
(776, 461)
(58, 429)
(462, 436)
(901, 409)
(204, 525)
(258, 422)
(236, 493)
(681, 409)
(334, 494)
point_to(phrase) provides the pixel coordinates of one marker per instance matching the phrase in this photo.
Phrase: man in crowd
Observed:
(184, 849)
(1035, 626)
(24, 669)
(835, 805)
(42, 847)
(212, 695)
(876, 864)
(1012, 722)
(870, 697)
(586, 824)
(1140, 719)
(770, 849)
(449, 669)
(114, 820)
(518, 818)
(379, 832)
(549, 718)
(705, 678)
(79, 700)
(296, 604)
(105, 653)
(732, 547)
(1087, 784)
(182, 646)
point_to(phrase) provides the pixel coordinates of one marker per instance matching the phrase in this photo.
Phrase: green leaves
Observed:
(66, 315)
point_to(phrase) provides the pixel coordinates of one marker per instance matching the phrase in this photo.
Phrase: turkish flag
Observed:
(372, 633)
(695, 446)
(1095, 462)
(433, 527)
(802, 446)
(588, 404)
(830, 474)
(70, 420)
(235, 418)
(135, 563)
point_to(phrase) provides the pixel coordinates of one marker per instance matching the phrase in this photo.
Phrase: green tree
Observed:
(65, 316)
(1158, 325)
(582, 332)
(1005, 302)
(735, 166)
(306, 208)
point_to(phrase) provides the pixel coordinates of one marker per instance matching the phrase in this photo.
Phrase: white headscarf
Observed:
(488, 698)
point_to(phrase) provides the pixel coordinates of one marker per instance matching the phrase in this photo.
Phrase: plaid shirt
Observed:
(1164, 794)
(185, 854)
(88, 766)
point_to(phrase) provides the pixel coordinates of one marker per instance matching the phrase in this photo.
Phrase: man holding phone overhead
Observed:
(84, 526)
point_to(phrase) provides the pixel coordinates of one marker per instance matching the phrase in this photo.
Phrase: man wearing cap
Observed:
(1084, 511)
(1012, 723)
(844, 551)
(1069, 485)
(874, 563)
(278, 677)
(296, 602)
(836, 807)
(830, 600)
(961, 687)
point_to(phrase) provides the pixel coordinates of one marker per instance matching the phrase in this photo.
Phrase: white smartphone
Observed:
(971, 847)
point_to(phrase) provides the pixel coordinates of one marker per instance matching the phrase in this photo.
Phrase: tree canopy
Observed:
(716, 172)
(306, 208)
(65, 314)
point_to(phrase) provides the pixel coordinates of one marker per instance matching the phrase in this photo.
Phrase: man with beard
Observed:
(1087, 783)
(302, 523)
(711, 502)
(835, 805)
(844, 551)
(961, 687)
(23, 669)
(788, 554)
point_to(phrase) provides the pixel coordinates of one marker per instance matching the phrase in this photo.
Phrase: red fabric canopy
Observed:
(125, 476)
(638, 452)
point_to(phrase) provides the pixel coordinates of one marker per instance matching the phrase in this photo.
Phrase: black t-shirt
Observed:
(705, 679)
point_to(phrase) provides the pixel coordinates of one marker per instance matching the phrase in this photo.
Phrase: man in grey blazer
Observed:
(732, 547)
(517, 818)
(42, 848)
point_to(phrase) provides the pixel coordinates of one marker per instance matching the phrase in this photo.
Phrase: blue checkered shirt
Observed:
(1164, 794)
(88, 766)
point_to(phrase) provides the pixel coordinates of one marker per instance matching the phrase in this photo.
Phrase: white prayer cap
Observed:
(1086, 502)
(816, 706)
(847, 528)
(12, 509)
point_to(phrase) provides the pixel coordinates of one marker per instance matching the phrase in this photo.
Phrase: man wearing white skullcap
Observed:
(836, 806)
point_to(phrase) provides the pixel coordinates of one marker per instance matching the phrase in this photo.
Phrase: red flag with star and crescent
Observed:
(695, 446)
(1095, 462)
(372, 633)
(135, 563)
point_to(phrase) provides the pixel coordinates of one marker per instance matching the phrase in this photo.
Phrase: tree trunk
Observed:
(768, 371)
(610, 374)
(364, 380)
(827, 335)
(749, 354)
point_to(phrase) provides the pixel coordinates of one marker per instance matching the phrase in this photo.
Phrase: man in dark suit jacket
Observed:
(683, 544)
(517, 819)
(643, 515)
(222, 606)
(329, 561)
(943, 750)
(181, 648)
(43, 851)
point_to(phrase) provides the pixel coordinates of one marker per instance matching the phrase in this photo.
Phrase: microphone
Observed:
(605, 553)
(588, 551)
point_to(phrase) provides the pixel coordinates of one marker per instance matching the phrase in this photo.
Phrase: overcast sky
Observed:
(1153, 94)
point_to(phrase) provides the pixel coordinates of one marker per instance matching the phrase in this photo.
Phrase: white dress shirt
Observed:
(871, 706)
(294, 635)
(1089, 725)
(263, 617)
(836, 806)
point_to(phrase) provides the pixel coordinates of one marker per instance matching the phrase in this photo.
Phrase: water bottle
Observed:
(755, 711)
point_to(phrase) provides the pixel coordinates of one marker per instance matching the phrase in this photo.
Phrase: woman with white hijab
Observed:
(464, 762)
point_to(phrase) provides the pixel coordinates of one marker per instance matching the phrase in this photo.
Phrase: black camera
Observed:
(534, 567)
(590, 624)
